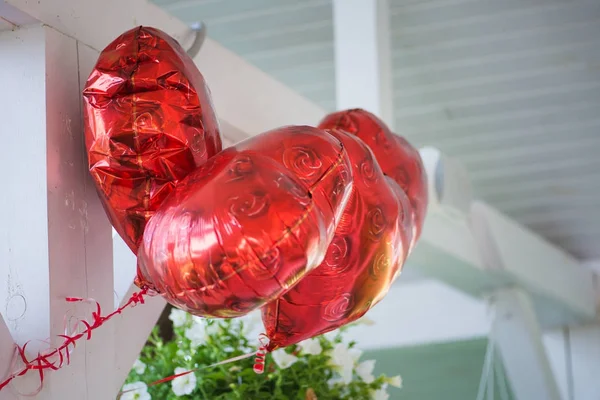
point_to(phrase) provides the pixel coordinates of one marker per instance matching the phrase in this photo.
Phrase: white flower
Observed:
(178, 317)
(380, 394)
(311, 346)
(139, 367)
(283, 359)
(343, 361)
(135, 391)
(212, 329)
(365, 371)
(355, 354)
(395, 381)
(185, 384)
(197, 332)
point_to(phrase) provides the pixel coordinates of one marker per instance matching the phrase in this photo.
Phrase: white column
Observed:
(56, 240)
(24, 252)
(516, 332)
(363, 56)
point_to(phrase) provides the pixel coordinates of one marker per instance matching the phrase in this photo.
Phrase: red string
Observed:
(261, 354)
(43, 363)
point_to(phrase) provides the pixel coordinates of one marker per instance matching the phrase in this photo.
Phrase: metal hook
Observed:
(199, 30)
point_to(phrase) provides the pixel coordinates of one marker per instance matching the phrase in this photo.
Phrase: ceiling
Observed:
(509, 87)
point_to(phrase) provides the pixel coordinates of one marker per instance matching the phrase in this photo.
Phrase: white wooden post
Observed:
(517, 333)
(7, 349)
(363, 62)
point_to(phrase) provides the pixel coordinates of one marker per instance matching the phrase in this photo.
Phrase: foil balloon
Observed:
(149, 122)
(370, 245)
(397, 158)
(249, 224)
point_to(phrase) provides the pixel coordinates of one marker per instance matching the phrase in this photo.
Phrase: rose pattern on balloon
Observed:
(338, 308)
(149, 122)
(396, 157)
(253, 204)
(364, 257)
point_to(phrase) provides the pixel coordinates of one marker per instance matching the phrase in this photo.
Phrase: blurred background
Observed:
(511, 89)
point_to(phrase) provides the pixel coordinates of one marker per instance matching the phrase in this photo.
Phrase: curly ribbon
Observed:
(43, 361)
(261, 354)
(259, 364)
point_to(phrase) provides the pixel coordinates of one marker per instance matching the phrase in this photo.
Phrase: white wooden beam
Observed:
(457, 248)
(66, 203)
(246, 99)
(517, 334)
(563, 289)
(43, 256)
(24, 252)
(7, 352)
(98, 264)
(10, 17)
(363, 63)
(131, 332)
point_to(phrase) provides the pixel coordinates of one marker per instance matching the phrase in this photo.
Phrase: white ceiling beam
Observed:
(363, 62)
(480, 250)
(245, 98)
(562, 288)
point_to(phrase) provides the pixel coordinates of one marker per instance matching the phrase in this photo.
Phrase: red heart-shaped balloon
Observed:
(367, 252)
(249, 224)
(397, 158)
(149, 122)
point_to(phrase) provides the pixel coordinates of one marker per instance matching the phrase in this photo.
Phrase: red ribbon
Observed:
(43, 363)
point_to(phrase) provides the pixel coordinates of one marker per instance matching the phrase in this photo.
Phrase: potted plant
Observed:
(323, 368)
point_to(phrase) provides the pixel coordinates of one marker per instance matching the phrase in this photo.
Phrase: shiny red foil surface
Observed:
(149, 122)
(371, 242)
(398, 159)
(246, 226)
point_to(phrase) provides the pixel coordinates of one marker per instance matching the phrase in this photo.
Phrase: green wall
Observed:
(441, 371)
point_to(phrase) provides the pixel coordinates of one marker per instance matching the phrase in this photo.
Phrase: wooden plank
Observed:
(67, 207)
(7, 352)
(5, 25)
(518, 336)
(98, 265)
(24, 250)
(132, 330)
(562, 286)
(585, 356)
(363, 62)
(244, 96)
(11, 16)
